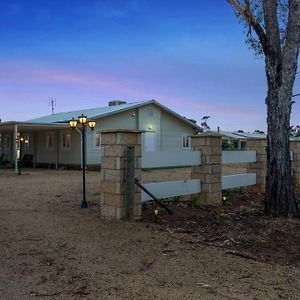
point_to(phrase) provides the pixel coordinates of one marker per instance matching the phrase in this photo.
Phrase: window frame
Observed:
(50, 133)
(186, 140)
(62, 140)
(94, 139)
(7, 146)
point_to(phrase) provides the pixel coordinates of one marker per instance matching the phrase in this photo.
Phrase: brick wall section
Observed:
(114, 145)
(260, 166)
(210, 171)
(158, 175)
(295, 147)
(232, 169)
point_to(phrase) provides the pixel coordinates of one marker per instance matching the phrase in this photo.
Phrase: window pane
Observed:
(98, 139)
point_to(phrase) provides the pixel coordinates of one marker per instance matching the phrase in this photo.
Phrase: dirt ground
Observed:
(52, 249)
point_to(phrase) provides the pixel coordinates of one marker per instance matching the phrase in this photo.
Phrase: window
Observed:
(7, 142)
(97, 139)
(186, 142)
(66, 140)
(50, 140)
(243, 145)
(26, 141)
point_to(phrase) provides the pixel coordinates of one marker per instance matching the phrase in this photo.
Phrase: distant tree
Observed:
(259, 131)
(204, 124)
(273, 31)
(241, 131)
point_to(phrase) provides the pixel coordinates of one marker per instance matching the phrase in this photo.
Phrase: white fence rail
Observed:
(161, 159)
(238, 180)
(168, 189)
(232, 157)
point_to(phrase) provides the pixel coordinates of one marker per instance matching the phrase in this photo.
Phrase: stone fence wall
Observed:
(114, 172)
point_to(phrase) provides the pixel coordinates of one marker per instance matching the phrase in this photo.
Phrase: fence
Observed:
(178, 173)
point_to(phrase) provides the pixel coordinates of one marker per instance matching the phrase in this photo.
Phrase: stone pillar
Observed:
(210, 171)
(114, 145)
(260, 166)
(295, 148)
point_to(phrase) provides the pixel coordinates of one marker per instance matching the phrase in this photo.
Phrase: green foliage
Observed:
(195, 201)
(176, 200)
(228, 194)
(227, 145)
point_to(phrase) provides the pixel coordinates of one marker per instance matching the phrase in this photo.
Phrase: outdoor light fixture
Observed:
(73, 123)
(92, 124)
(82, 121)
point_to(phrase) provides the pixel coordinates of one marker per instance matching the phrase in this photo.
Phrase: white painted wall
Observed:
(231, 157)
(170, 159)
(238, 180)
(168, 189)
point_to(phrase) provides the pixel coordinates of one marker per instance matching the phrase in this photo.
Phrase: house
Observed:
(52, 143)
(238, 139)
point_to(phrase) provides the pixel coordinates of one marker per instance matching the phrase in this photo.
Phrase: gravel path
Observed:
(52, 249)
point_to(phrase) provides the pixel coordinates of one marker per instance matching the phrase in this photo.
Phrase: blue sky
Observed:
(189, 55)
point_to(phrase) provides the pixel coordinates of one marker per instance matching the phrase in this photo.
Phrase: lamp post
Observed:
(21, 140)
(82, 121)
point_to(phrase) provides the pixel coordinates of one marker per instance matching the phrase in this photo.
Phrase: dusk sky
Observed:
(188, 55)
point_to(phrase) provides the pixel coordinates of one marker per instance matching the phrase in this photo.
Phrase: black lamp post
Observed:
(83, 121)
(21, 140)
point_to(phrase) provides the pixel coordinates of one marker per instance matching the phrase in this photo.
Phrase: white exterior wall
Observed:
(65, 156)
(171, 132)
(127, 120)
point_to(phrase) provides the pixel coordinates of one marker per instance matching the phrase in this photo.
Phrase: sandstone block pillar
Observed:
(260, 166)
(114, 144)
(210, 171)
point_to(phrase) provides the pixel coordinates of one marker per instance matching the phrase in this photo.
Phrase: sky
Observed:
(188, 55)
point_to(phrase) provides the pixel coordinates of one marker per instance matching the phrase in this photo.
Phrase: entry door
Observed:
(149, 141)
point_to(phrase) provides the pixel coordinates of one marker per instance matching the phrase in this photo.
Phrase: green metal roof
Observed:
(100, 112)
(90, 113)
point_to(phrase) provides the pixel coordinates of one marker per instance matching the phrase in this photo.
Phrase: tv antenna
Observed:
(52, 103)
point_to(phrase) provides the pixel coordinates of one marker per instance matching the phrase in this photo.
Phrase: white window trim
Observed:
(62, 140)
(189, 142)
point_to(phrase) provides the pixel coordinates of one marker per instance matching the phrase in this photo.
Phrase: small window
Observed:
(66, 140)
(97, 139)
(50, 140)
(186, 142)
(26, 141)
(7, 142)
(243, 145)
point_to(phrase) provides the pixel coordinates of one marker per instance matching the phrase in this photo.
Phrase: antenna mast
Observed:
(52, 103)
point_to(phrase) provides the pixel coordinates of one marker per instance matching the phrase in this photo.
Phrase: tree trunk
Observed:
(279, 197)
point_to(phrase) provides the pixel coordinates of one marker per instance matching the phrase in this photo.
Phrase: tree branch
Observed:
(292, 42)
(251, 20)
(272, 26)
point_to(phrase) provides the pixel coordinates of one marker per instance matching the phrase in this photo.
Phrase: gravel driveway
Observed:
(52, 249)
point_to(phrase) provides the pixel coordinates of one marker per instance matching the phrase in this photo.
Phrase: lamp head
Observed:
(73, 123)
(82, 119)
(92, 124)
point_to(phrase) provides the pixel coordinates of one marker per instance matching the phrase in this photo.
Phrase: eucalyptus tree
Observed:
(273, 31)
